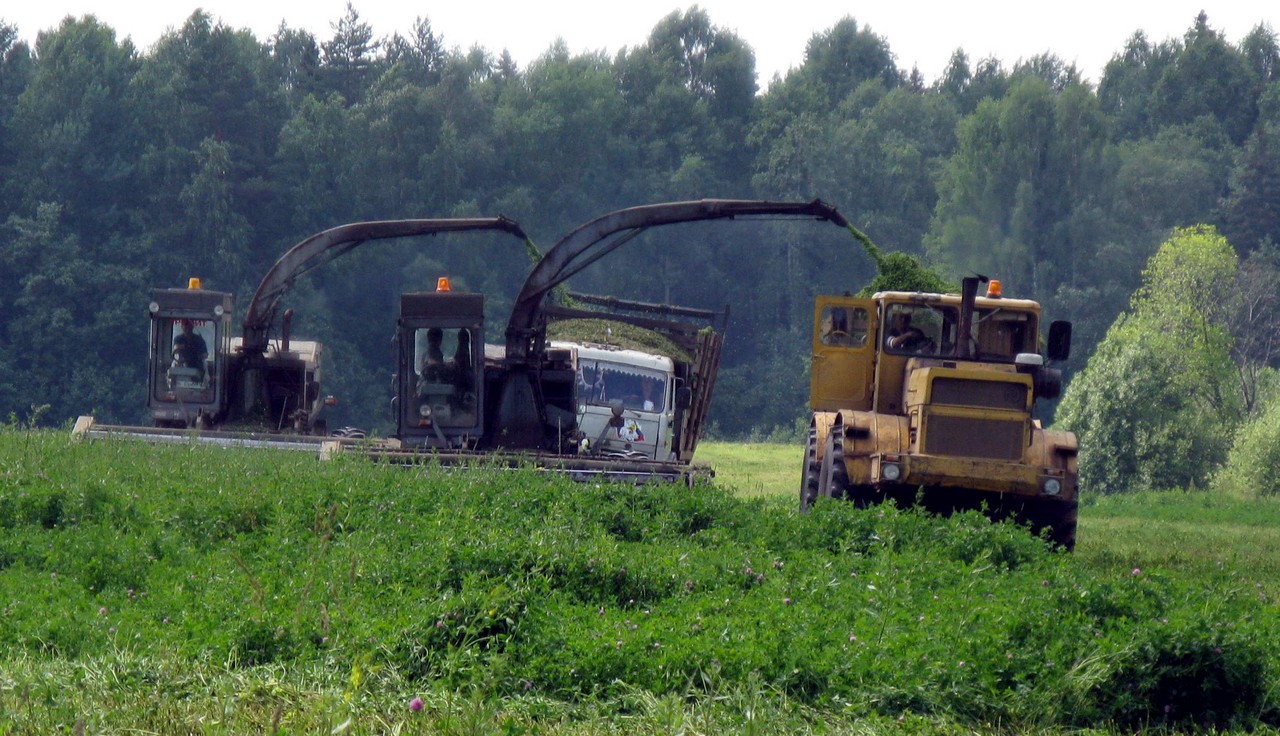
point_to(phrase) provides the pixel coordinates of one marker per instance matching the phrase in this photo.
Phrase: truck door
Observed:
(844, 332)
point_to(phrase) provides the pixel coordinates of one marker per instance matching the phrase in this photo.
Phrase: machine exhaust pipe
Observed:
(968, 293)
(286, 327)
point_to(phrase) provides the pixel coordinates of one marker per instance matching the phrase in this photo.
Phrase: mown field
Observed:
(195, 590)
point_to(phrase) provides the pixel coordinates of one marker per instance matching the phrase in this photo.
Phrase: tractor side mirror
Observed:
(1059, 345)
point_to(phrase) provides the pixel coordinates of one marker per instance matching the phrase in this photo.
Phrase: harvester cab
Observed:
(440, 370)
(189, 356)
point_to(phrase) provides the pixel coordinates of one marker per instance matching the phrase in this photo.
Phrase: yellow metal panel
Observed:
(867, 434)
(984, 475)
(822, 421)
(844, 334)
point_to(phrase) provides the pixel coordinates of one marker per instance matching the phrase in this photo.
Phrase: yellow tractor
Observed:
(928, 398)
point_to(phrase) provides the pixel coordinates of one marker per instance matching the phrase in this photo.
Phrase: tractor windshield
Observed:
(920, 329)
(997, 333)
(1000, 334)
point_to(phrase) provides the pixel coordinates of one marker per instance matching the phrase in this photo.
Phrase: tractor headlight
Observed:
(424, 411)
(890, 471)
(1052, 486)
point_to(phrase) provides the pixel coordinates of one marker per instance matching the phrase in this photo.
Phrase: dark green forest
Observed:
(212, 152)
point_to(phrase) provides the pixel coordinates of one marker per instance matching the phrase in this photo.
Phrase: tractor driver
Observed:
(904, 336)
(189, 349)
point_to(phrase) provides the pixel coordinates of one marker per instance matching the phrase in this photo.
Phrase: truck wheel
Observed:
(1057, 517)
(833, 479)
(809, 474)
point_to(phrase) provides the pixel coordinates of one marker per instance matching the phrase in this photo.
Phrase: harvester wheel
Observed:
(809, 474)
(833, 479)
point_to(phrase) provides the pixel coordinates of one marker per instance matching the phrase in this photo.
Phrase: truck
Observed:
(926, 398)
(661, 385)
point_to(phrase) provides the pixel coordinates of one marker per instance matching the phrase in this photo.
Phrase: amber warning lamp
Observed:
(442, 284)
(193, 282)
(993, 289)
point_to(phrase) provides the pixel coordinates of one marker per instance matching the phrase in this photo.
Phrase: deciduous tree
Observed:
(1156, 404)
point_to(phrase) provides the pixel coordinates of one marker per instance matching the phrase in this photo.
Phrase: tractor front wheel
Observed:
(809, 474)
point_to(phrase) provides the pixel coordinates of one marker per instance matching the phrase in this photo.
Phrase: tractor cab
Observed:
(440, 369)
(189, 355)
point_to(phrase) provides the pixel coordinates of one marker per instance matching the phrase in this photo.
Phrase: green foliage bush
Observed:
(1138, 428)
(1188, 670)
(525, 584)
(1249, 471)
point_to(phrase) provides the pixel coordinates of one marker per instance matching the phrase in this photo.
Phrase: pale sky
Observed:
(922, 33)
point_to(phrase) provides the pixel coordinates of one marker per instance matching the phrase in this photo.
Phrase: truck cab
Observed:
(625, 401)
(189, 355)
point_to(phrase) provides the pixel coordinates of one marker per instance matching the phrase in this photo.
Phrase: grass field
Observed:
(754, 469)
(1195, 533)
(195, 590)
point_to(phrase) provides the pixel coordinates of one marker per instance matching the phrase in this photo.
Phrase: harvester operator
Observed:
(189, 349)
(432, 369)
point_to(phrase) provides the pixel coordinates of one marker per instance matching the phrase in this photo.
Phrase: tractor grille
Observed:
(990, 439)
(986, 394)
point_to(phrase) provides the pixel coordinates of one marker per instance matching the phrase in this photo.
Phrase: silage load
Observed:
(618, 334)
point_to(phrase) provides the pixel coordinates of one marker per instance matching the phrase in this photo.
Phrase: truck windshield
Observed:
(601, 382)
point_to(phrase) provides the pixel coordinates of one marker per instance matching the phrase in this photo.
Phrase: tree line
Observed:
(213, 151)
